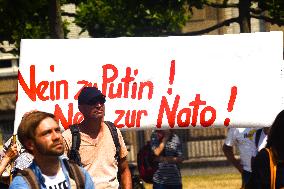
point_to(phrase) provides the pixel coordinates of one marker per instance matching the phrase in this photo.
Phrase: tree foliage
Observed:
(105, 18)
(271, 11)
(27, 19)
(108, 18)
(21, 19)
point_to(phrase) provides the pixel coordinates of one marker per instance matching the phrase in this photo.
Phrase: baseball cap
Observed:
(91, 96)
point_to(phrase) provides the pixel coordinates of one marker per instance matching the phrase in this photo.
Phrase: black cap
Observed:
(90, 96)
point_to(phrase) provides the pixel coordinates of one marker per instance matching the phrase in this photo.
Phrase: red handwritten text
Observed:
(132, 118)
(71, 118)
(126, 87)
(44, 90)
(191, 116)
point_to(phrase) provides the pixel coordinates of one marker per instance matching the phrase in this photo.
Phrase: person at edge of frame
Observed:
(41, 136)
(261, 168)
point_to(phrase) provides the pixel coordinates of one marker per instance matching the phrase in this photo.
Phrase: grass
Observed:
(218, 181)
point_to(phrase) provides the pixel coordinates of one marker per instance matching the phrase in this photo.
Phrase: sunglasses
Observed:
(96, 100)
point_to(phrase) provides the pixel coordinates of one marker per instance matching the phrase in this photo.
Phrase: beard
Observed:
(51, 150)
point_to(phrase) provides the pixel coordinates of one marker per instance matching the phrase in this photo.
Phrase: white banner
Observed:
(180, 82)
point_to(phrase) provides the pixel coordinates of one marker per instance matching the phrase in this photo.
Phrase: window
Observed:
(8, 67)
(5, 63)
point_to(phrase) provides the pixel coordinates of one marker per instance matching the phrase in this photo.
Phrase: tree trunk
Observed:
(244, 16)
(55, 22)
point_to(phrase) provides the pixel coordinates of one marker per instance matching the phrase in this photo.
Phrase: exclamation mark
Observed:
(172, 76)
(234, 92)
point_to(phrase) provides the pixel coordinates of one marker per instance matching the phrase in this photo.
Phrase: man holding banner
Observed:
(6, 157)
(97, 148)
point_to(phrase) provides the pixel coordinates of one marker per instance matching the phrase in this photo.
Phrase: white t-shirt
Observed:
(243, 139)
(262, 141)
(57, 181)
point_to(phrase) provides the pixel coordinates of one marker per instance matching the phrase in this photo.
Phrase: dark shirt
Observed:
(261, 172)
(168, 173)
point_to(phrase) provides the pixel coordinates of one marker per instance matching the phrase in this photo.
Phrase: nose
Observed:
(99, 105)
(56, 135)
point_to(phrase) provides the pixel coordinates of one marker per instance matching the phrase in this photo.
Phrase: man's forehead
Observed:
(48, 123)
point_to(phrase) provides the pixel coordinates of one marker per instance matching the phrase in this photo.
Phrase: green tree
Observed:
(271, 11)
(24, 19)
(104, 18)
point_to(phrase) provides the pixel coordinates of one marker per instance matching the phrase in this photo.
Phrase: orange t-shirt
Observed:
(97, 156)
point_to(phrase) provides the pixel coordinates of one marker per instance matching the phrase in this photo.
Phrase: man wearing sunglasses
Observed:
(97, 148)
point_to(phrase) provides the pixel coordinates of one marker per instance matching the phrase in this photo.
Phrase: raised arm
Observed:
(10, 154)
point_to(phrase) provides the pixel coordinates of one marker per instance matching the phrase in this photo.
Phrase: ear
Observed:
(29, 145)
